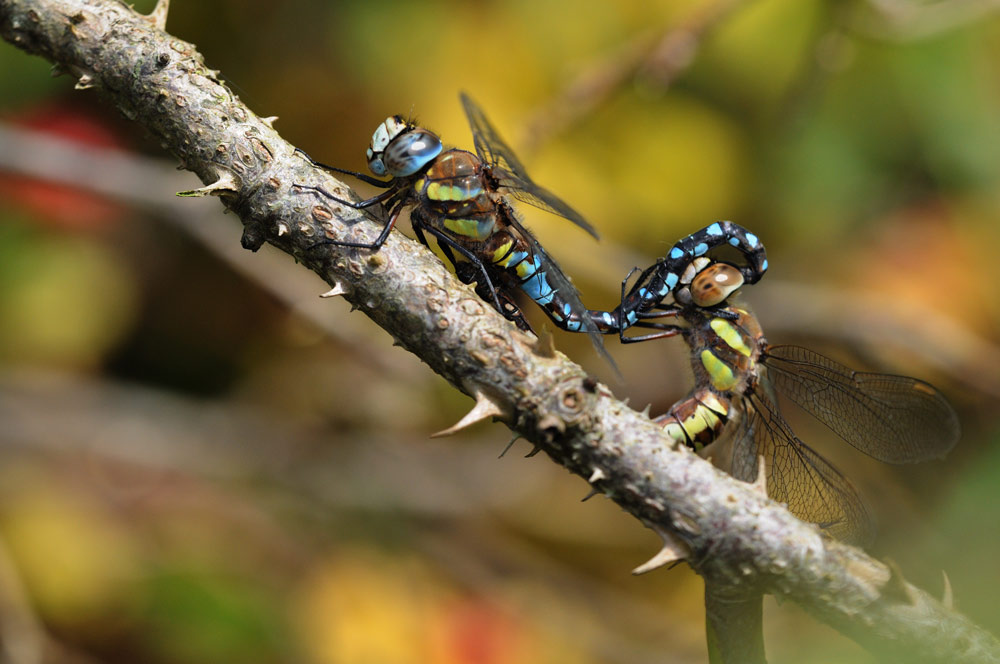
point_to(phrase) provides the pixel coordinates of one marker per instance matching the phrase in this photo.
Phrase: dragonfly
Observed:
(734, 402)
(463, 200)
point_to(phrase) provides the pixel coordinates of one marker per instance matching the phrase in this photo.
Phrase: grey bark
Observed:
(729, 532)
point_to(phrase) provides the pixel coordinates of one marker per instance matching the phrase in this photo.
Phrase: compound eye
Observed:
(375, 164)
(714, 284)
(409, 152)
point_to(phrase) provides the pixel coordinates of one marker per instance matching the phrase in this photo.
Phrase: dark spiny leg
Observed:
(664, 332)
(364, 177)
(379, 241)
(359, 205)
(472, 258)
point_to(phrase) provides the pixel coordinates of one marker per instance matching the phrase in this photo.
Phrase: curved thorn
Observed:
(545, 345)
(947, 598)
(85, 82)
(897, 586)
(760, 484)
(645, 411)
(224, 184)
(269, 120)
(509, 445)
(338, 289)
(535, 450)
(485, 408)
(674, 550)
(596, 476)
(159, 14)
(593, 492)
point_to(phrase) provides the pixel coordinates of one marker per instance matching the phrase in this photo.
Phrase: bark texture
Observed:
(730, 532)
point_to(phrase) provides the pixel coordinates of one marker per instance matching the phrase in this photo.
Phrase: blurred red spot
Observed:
(57, 205)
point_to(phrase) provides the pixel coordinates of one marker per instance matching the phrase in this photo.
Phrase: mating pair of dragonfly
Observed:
(463, 201)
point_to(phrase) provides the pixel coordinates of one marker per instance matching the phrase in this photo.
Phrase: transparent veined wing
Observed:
(560, 283)
(895, 419)
(798, 476)
(509, 170)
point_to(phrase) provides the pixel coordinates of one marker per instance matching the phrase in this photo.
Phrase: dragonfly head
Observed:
(710, 283)
(400, 148)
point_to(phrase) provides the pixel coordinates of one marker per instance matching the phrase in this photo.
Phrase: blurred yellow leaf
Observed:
(76, 562)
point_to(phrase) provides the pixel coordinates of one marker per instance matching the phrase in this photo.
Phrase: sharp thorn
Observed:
(159, 14)
(947, 598)
(596, 476)
(897, 586)
(485, 408)
(593, 492)
(85, 82)
(674, 550)
(224, 184)
(338, 289)
(269, 120)
(645, 411)
(282, 229)
(545, 346)
(535, 450)
(509, 445)
(760, 484)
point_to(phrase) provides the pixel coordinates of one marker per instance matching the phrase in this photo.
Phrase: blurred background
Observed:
(202, 462)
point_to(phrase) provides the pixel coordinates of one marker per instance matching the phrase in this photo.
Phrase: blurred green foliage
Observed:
(862, 147)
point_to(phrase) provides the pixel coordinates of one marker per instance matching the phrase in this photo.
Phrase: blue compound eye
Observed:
(375, 164)
(408, 153)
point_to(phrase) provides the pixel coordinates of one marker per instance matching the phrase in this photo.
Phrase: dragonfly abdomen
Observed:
(698, 420)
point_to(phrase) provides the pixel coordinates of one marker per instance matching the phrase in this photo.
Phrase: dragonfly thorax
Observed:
(400, 148)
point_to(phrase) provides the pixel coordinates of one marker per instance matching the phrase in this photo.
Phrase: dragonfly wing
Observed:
(561, 284)
(895, 419)
(510, 172)
(798, 476)
(490, 147)
(532, 194)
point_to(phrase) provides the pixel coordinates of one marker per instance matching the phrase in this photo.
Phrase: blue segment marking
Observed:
(763, 266)
(752, 239)
(700, 248)
(735, 241)
(676, 252)
(714, 229)
(671, 280)
(538, 289)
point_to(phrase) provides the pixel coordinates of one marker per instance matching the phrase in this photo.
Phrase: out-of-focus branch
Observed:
(150, 184)
(730, 532)
(908, 20)
(659, 58)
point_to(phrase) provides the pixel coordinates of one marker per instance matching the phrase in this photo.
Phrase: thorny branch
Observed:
(729, 532)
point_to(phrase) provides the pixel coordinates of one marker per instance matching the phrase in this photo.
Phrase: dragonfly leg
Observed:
(444, 240)
(378, 242)
(364, 177)
(359, 205)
